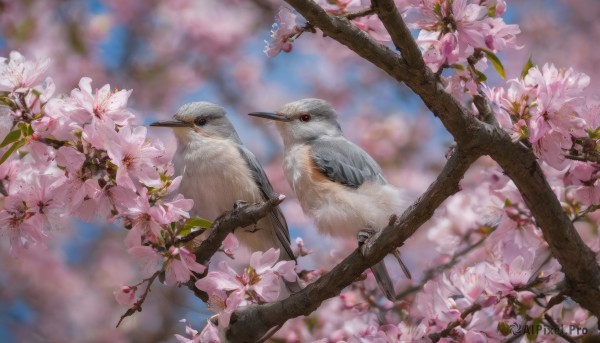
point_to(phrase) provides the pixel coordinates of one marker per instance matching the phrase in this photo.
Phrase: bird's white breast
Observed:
(214, 175)
(339, 210)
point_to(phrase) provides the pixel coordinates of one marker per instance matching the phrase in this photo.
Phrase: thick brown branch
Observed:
(401, 37)
(578, 261)
(483, 106)
(250, 323)
(240, 216)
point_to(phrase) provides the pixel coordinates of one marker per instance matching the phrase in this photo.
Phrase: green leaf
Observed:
(492, 10)
(480, 76)
(192, 223)
(503, 328)
(12, 149)
(11, 137)
(458, 66)
(26, 129)
(526, 68)
(534, 329)
(496, 62)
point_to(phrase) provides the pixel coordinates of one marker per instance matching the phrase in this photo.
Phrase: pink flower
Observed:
(17, 73)
(438, 51)
(230, 244)
(104, 103)
(46, 207)
(180, 266)
(265, 263)
(20, 227)
(175, 209)
(223, 280)
(125, 295)
(501, 36)
(412, 333)
(282, 32)
(260, 279)
(194, 336)
(209, 334)
(558, 98)
(374, 27)
(146, 220)
(70, 158)
(513, 270)
(452, 30)
(132, 155)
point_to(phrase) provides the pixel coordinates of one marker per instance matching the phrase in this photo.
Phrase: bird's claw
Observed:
(364, 235)
(239, 204)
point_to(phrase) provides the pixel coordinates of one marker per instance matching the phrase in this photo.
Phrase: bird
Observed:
(336, 182)
(218, 171)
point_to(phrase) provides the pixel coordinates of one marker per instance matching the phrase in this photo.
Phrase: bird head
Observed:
(304, 120)
(200, 120)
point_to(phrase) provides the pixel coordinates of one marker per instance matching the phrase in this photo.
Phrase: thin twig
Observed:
(360, 13)
(137, 306)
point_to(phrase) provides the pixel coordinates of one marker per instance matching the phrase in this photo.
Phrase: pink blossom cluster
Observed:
(510, 279)
(283, 32)
(287, 28)
(454, 30)
(545, 109)
(259, 283)
(79, 156)
(457, 34)
(369, 23)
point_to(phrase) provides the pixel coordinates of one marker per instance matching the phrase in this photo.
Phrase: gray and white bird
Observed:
(218, 170)
(336, 181)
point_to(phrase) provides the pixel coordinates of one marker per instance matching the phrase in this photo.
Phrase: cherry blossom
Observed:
(72, 167)
(125, 295)
(180, 266)
(282, 32)
(17, 73)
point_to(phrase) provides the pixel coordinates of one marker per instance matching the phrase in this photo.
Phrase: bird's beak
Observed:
(269, 115)
(171, 123)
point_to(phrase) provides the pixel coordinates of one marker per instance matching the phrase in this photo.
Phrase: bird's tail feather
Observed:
(383, 280)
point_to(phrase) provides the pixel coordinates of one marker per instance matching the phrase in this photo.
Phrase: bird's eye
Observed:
(305, 117)
(200, 121)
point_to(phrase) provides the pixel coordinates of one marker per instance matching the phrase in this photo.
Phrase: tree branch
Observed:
(250, 323)
(360, 13)
(226, 223)
(401, 37)
(578, 261)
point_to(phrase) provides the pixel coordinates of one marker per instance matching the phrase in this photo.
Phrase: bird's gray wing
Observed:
(266, 189)
(344, 162)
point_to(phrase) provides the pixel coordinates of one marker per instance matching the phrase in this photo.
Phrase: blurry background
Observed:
(173, 52)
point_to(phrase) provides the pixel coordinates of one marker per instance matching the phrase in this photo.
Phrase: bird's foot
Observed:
(364, 235)
(239, 204)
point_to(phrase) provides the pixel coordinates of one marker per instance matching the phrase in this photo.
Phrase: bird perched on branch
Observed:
(336, 181)
(218, 170)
